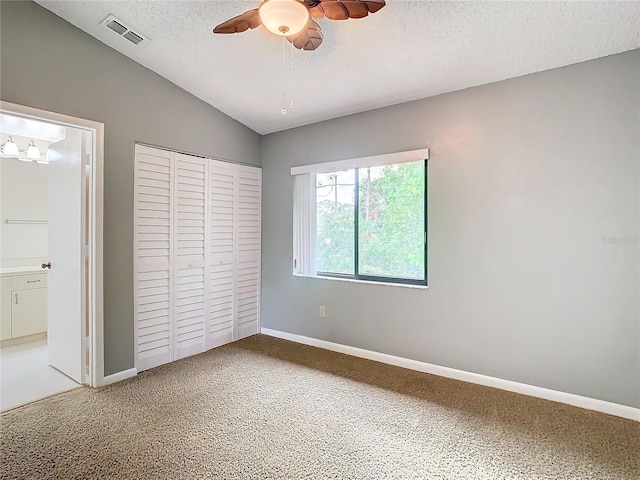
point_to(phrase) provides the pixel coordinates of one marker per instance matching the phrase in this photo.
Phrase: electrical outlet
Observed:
(323, 311)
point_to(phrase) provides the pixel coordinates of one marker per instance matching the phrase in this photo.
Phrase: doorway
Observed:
(50, 253)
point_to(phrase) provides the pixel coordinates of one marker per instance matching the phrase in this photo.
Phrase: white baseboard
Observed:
(10, 342)
(117, 377)
(508, 385)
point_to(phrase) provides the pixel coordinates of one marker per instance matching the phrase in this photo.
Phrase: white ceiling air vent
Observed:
(121, 28)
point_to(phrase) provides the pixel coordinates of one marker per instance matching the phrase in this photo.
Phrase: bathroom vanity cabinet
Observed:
(23, 308)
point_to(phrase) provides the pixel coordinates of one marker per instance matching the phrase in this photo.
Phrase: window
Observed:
(363, 219)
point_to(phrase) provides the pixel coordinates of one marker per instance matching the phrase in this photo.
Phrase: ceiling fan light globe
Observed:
(284, 17)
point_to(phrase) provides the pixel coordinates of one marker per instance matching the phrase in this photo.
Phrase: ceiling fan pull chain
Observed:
(284, 78)
(292, 87)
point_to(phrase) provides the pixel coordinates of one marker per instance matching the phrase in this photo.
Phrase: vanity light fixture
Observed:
(33, 153)
(44, 160)
(10, 148)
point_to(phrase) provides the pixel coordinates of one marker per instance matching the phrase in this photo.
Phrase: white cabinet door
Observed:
(5, 308)
(189, 253)
(28, 312)
(222, 225)
(153, 257)
(247, 246)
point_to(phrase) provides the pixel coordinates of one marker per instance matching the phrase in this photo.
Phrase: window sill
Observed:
(369, 282)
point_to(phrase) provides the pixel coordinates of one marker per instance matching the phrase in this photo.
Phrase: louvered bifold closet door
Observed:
(189, 255)
(153, 266)
(248, 199)
(222, 224)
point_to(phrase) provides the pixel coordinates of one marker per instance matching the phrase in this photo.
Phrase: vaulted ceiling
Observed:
(407, 50)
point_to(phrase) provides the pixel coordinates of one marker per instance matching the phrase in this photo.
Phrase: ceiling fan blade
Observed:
(309, 38)
(315, 12)
(238, 24)
(344, 9)
(313, 6)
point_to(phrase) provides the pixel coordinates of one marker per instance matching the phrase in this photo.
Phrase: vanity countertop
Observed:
(19, 270)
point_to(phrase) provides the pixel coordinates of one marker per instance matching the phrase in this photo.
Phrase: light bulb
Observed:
(284, 17)
(10, 148)
(32, 151)
(283, 111)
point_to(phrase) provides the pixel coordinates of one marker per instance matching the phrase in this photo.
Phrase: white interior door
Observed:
(197, 254)
(153, 273)
(220, 258)
(189, 251)
(65, 286)
(247, 246)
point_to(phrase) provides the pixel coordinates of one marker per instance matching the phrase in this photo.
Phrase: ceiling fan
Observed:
(292, 18)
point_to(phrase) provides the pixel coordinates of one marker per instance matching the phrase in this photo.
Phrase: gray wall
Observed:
(529, 180)
(47, 63)
(533, 208)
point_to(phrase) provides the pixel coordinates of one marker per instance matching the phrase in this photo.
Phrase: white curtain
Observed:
(304, 225)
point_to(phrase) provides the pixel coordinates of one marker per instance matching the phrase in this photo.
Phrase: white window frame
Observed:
(304, 210)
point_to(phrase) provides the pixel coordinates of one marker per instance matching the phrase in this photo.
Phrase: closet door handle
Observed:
(16, 298)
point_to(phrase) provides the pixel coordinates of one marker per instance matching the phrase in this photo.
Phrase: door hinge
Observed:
(86, 251)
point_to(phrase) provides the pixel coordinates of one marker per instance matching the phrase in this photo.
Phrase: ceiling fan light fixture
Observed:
(284, 17)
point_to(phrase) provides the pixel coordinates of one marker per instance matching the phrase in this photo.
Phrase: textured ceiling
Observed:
(408, 50)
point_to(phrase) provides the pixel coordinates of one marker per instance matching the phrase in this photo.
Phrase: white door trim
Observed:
(96, 307)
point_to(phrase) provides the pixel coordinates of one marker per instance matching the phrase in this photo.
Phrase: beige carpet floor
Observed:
(265, 408)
